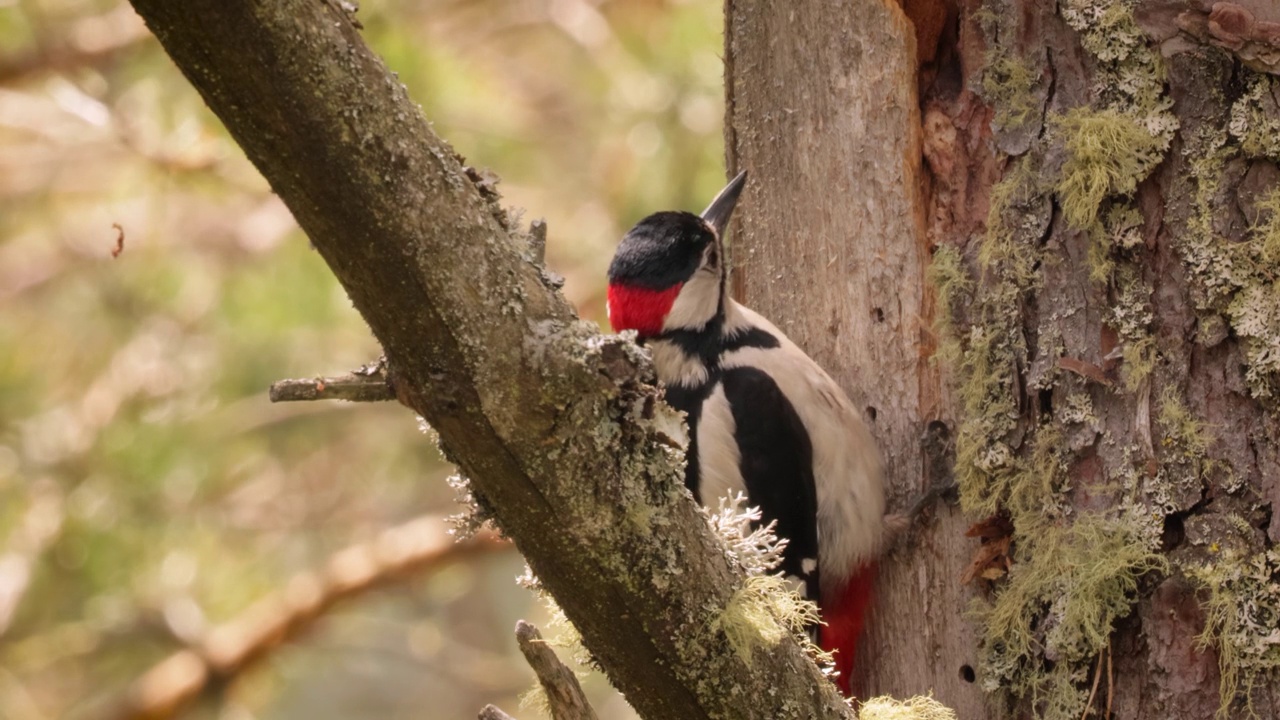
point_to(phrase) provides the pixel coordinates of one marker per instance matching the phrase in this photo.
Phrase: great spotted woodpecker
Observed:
(764, 419)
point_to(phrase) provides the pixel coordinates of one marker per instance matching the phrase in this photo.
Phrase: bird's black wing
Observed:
(777, 467)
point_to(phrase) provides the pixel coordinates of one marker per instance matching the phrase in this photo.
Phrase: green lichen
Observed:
(1077, 410)
(1235, 279)
(1183, 431)
(1108, 153)
(1242, 622)
(1027, 487)
(1072, 576)
(761, 613)
(1255, 118)
(1101, 262)
(1184, 441)
(1255, 316)
(989, 413)
(535, 701)
(1255, 310)
(1131, 74)
(1139, 360)
(1130, 314)
(948, 275)
(1266, 231)
(919, 707)
(954, 287)
(767, 607)
(1007, 84)
(1008, 252)
(1070, 584)
(1215, 271)
(989, 353)
(1116, 234)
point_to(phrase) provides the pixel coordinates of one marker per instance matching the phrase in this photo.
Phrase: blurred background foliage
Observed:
(148, 490)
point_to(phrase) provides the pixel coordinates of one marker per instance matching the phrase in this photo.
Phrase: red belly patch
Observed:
(640, 309)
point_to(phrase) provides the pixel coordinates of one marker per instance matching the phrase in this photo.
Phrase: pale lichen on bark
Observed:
(1098, 158)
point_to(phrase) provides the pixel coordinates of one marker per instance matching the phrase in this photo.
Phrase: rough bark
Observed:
(557, 427)
(823, 112)
(1098, 194)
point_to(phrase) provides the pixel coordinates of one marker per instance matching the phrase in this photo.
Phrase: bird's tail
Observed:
(843, 616)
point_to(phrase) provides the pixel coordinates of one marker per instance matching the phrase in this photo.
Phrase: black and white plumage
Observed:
(764, 418)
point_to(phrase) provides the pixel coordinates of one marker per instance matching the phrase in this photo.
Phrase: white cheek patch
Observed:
(697, 303)
(808, 565)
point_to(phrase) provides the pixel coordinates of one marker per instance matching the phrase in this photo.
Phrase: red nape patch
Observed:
(640, 309)
(844, 616)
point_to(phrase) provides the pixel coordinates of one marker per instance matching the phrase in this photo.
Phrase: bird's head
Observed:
(668, 272)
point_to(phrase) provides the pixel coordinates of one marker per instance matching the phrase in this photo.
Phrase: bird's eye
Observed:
(713, 258)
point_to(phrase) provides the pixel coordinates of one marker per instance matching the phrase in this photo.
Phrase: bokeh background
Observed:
(148, 490)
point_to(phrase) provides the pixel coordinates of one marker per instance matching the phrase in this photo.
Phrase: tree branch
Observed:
(564, 694)
(491, 712)
(349, 387)
(370, 383)
(557, 427)
(230, 649)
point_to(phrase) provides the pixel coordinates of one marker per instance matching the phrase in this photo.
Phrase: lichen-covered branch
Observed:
(405, 551)
(557, 427)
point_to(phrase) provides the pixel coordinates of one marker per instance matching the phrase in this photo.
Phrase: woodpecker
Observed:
(764, 419)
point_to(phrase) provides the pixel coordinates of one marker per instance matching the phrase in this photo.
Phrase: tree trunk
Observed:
(1048, 232)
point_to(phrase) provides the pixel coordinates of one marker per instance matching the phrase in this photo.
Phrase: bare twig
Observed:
(371, 383)
(564, 694)
(229, 650)
(538, 248)
(538, 240)
(491, 712)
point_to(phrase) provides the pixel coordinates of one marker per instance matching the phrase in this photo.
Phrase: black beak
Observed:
(720, 210)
